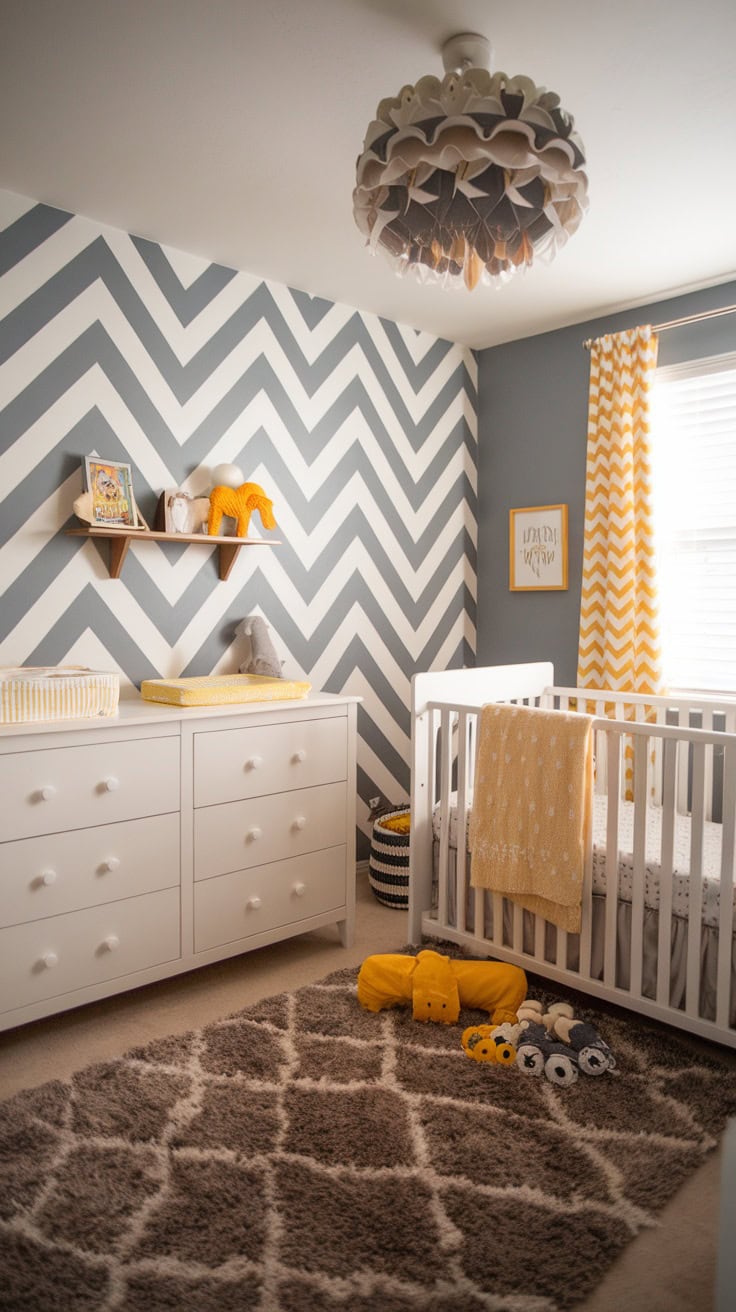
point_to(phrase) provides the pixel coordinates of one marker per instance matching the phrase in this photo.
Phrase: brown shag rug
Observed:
(307, 1156)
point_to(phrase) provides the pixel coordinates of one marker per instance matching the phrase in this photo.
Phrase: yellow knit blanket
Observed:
(530, 817)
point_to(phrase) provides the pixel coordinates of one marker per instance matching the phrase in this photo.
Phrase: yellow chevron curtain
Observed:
(619, 628)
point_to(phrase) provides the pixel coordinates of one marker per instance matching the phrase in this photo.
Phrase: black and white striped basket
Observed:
(388, 866)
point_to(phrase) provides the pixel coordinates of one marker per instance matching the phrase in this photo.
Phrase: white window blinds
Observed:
(694, 496)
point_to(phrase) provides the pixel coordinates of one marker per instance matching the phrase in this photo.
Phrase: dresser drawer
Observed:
(230, 764)
(76, 787)
(56, 873)
(254, 901)
(49, 957)
(238, 835)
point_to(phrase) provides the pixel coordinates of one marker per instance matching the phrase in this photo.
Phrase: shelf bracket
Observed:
(118, 552)
(228, 556)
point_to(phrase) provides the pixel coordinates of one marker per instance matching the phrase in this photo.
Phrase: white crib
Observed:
(657, 931)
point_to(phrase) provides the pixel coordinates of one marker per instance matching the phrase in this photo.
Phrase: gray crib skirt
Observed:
(678, 945)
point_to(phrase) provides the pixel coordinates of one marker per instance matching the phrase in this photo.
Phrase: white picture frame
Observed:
(538, 549)
(184, 515)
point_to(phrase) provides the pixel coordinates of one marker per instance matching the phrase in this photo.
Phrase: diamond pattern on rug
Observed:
(308, 1156)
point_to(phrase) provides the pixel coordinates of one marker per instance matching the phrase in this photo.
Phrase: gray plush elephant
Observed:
(263, 658)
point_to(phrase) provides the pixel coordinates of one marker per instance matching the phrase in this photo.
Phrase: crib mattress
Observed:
(680, 891)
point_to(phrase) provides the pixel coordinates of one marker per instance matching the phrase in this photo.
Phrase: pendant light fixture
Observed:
(471, 178)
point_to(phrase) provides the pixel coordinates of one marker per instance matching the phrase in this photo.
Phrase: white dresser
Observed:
(138, 847)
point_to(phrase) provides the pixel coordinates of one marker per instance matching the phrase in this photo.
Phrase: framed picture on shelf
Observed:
(538, 549)
(110, 485)
(184, 513)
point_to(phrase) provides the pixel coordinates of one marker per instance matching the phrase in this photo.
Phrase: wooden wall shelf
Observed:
(121, 538)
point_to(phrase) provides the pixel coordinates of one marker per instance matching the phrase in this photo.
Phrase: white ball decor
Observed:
(227, 476)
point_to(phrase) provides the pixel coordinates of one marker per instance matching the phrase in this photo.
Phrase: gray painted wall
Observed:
(532, 422)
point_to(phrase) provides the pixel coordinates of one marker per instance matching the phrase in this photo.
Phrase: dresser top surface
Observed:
(135, 710)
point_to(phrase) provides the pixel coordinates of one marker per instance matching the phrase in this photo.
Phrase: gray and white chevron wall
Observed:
(363, 432)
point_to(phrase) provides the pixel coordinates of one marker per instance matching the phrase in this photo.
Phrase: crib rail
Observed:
(686, 710)
(655, 967)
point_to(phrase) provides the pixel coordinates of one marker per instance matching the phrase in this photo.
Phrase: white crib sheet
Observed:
(680, 893)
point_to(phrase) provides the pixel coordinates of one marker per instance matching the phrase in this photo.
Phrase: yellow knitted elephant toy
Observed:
(239, 502)
(437, 986)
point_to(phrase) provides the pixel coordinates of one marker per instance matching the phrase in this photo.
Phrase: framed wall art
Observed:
(184, 513)
(110, 485)
(538, 549)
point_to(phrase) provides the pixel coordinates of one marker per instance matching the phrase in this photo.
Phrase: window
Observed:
(694, 498)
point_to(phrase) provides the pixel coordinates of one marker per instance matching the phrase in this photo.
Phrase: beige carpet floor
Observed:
(667, 1269)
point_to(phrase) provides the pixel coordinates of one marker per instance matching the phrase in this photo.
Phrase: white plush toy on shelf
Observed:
(263, 658)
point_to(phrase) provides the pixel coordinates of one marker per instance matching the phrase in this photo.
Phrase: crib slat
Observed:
(539, 924)
(667, 865)
(725, 917)
(682, 717)
(614, 746)
(695, 883)
(601, 767)
(641, 792)
(586, 922)
(497, 915)
(561, 948)
(517, 928)
(708, 724)
(657, 748)
(461, 812)
(422, 835)
(445, 778)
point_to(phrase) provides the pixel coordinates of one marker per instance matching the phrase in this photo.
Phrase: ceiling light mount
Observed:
(466, 50)
(471, 178)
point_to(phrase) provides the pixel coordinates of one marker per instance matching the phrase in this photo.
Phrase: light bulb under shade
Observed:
(471, 178)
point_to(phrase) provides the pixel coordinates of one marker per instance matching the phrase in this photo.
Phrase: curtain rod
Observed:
(677, 323)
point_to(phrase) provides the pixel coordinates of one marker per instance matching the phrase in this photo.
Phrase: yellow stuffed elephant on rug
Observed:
(439, 986)
(239, 503)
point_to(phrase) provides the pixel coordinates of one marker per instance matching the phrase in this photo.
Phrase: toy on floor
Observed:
(492, 1043)
(593, 1054)
(532, 1010)
(540, 1054)
(437, 986)
(263, 658)
(239, 503)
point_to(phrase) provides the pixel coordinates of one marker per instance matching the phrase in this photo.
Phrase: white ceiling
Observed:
(230, 129)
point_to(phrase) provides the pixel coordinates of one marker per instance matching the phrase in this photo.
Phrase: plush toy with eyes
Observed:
(491, 1043)
(540, 1054)
(437, 986)
(593, 1054)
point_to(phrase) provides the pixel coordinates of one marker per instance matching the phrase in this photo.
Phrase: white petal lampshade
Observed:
(468, 179)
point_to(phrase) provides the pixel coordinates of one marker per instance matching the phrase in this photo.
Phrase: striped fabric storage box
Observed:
(388, 865)
(30, 693)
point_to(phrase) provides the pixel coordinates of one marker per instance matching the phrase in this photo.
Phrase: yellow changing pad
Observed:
(222, 689)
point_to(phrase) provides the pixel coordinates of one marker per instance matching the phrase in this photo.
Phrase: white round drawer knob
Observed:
(300, 889)
(253, 834)
(112, 863)
(50, 959)
(253, 903)
(299, 756)
(47, 792)
(48, 877)
(111, 942)
(300, 822)
(112, 784)
(254, 763)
